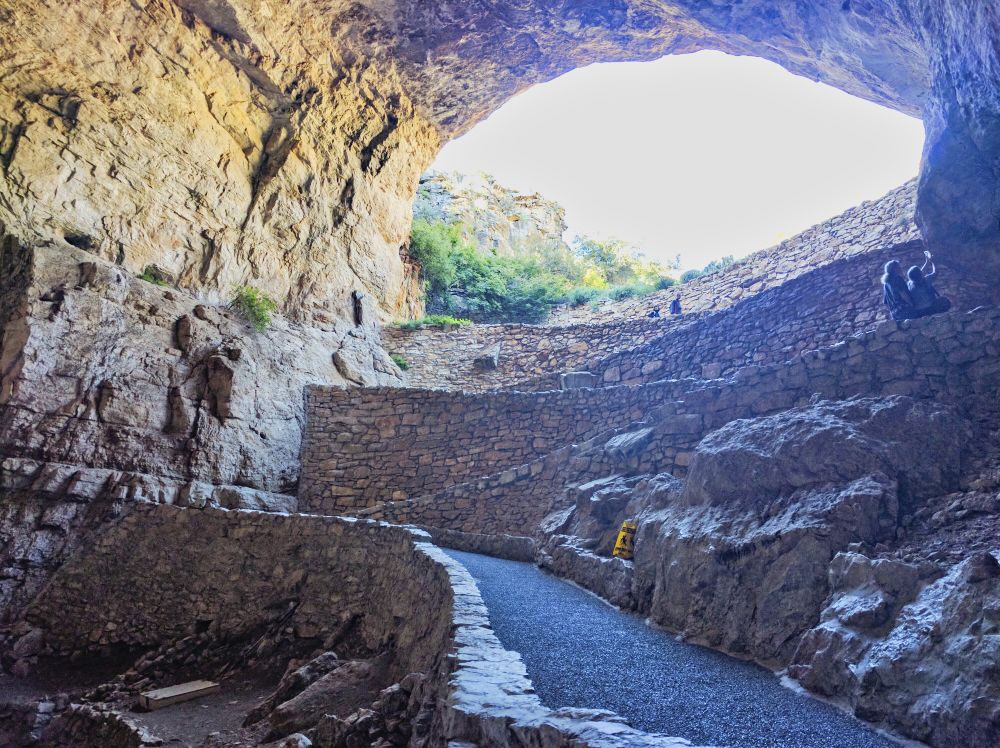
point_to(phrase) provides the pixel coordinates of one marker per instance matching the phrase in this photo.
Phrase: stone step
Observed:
(161, 697)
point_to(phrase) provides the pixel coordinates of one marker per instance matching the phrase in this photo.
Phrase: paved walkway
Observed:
(581, 652)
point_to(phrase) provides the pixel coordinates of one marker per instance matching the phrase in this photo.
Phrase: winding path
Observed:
(581, 652)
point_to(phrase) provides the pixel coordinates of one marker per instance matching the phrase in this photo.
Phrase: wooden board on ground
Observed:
(162, 697)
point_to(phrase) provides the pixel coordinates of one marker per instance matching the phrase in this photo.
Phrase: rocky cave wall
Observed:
(115, 390)
(280, 143)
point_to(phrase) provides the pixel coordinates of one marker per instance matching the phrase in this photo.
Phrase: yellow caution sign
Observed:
(625, 544)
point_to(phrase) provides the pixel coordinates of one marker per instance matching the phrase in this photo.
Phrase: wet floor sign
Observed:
(626, 540)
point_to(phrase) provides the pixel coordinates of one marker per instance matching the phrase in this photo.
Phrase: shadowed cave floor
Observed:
(581, 652)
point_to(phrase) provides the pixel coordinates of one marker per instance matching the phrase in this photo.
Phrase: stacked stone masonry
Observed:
(364, 446)
(162, 572)
(952, 358)
(834, 265)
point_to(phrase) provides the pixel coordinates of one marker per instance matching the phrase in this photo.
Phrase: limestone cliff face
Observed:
(140, 133)
(114, 390)
(495, 218)
(280, 143)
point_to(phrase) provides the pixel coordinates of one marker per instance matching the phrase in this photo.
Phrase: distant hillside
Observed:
(493, 216)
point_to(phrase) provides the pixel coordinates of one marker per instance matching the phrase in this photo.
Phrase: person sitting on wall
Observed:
(926, 299)
(675, 305)
(654, 313)
(895, 293)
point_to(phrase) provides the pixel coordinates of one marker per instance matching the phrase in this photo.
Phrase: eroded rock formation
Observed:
(114, 389)
(492, 217)
(220, 142)
(281, 142)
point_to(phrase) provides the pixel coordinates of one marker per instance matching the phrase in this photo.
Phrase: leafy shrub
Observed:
(582, 295)
(635, 289)
(721, 264)
(254, 306)
(433, 320)
(152, 274)
(713, 267)
(665, 281)
(401, 362)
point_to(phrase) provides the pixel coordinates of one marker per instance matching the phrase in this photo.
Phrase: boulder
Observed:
(341, 691)
(752, 461)
(926, 664)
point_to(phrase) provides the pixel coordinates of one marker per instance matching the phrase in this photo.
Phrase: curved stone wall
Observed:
(531, 357)
(161, 572)
(950, 358)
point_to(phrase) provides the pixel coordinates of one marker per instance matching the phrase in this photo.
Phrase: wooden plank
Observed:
(162, 697)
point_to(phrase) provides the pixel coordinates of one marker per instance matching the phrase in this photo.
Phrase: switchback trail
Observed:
(580, 652)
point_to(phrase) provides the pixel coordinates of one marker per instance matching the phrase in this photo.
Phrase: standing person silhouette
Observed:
(675, 305)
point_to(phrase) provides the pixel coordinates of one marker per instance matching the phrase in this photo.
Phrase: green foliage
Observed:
(433, 320)
(665, 282)
(255, 306)
(713, 267)
(582, 295)
(401, 362)
(721, 264)
(433, 245)
(461, 280)
(152, 274)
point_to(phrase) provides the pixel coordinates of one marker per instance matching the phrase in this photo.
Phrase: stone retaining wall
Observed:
(813, 310)
(446, 357)
(953, 358)
(164, 570)
(363, 446)
(838, 264)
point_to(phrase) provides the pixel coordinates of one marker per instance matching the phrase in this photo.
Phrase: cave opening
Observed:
(691, 158)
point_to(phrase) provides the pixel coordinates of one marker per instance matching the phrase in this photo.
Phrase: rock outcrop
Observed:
(493, 217)
(228, 142)
(894, 633)
(114, 389)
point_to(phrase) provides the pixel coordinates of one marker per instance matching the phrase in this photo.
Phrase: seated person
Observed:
(654, 313)
(926, 299)
(895, 293)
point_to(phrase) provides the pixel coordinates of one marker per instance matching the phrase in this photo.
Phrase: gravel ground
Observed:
(580, 652)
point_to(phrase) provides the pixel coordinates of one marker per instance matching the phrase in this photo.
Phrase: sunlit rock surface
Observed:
(281, 142)
(493, 217)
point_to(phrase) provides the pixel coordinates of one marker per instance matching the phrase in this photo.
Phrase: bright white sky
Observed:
(703, 155)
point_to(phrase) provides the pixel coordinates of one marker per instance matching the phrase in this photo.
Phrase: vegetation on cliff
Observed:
(254, 306)
(461, 280)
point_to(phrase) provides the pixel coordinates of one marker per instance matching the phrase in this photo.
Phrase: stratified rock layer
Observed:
(116, 390)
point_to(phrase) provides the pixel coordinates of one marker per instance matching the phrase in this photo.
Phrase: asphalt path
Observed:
(581, 652)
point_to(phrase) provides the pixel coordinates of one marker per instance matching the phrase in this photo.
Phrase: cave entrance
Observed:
(692, 157)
